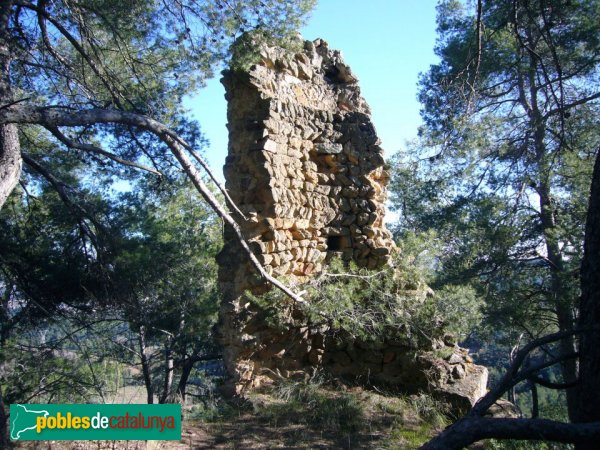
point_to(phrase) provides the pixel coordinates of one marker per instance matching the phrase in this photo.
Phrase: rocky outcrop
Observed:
(306, 168)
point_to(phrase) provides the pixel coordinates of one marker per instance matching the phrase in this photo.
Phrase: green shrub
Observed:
(245, 51)
(393, 302)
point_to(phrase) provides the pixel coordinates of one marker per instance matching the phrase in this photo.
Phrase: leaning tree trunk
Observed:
(10, 151)
(588, 390)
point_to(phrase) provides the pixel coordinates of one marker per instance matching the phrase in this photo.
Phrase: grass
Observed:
(314, 413)
(409, 439)
(415, 419)
(312, 405)
(304, 414)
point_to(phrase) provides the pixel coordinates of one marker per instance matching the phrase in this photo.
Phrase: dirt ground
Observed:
(246, 433)
(384, 423)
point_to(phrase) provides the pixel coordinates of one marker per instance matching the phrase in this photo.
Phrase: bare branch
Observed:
(206, 167)
(479, 30)
(572, 105)
(194, 175)
(45, 38)
(97, 150)
(551, 385)
(15, 102)
(351, 275)
(512, 373)
(526, 375)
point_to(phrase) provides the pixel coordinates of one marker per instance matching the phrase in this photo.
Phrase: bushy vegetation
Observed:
(393, 302)
(319, 411)
(245, 51)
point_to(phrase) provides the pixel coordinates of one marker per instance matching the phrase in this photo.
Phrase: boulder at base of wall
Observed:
(455, 379)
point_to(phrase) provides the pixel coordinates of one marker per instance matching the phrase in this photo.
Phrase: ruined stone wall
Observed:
(305, 162)
(306, 168)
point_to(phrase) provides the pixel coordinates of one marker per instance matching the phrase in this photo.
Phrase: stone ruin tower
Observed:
(306, 168)
(305, 162)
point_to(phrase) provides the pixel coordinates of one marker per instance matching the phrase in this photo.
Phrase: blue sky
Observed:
(386, 42)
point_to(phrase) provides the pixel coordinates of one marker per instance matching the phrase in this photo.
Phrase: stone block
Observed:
(328, 148)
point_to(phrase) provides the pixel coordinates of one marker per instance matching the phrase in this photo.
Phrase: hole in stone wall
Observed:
(334, 243)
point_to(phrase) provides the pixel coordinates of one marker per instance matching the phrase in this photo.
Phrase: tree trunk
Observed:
(10, 160)
(168, 384)
(560, 299)
(186, 370)
(4, 333)
(558, 296)
(588, 389)
(145, 365)
(535, 406)
(10, 151)
(3, 423)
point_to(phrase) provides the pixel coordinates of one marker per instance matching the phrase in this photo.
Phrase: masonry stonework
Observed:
(306, 168)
